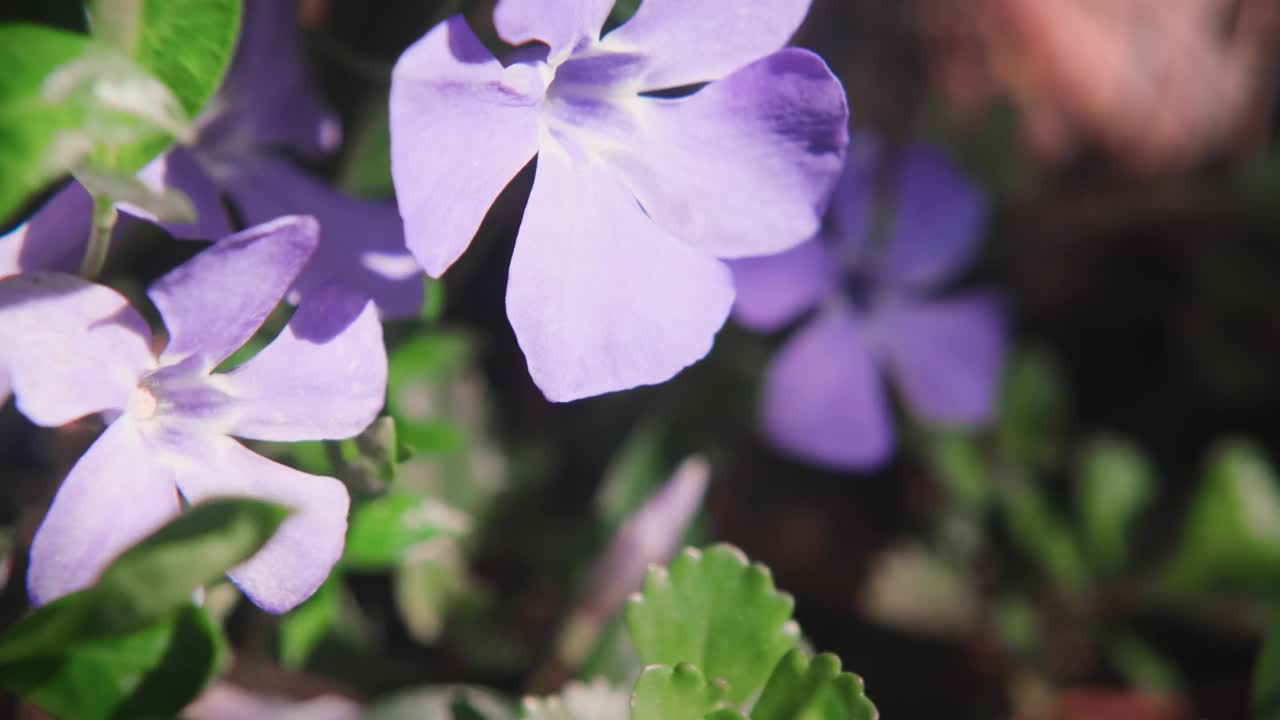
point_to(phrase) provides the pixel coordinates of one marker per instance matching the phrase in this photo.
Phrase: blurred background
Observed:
(1107, 547)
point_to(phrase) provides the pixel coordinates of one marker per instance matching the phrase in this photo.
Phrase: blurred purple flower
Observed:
(265, 107)
(877, 311)
(617, 278)
(72, 348)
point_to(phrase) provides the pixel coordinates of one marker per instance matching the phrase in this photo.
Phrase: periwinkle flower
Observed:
(877, 311)
(73, 348)
(617, 277)
(265, 109)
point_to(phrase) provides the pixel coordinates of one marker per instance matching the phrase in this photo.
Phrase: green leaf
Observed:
(151, 673)
(1115, 485)
(805, 688)
(384, 532)
(579, 701)
(1231, 537)
(150, 580)
(187, 44)
(306, 625)
(717, 611)
(679, 693)
(64, 100)
(1266, 674)
(1033, 409)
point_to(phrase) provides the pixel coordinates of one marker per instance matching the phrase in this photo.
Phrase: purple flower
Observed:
(617, 278)
(73, 348)
(877, 311)
(265, 106)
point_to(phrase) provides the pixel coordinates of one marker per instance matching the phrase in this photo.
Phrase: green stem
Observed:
(104, 221)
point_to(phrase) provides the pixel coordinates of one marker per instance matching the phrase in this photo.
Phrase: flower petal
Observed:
(562, 24)
(267, 99)
(179, 169)
(773, 290)
(54, 238)
(218, 299)
(361, 241)
(114, 496)
(692, 42)
(600, 297)
(849, 214)
(823, 400)
(323, 378)
(298, 558)
(70, 347)
(946, 356)
(461, 127)
(744, 166)
(938, 220)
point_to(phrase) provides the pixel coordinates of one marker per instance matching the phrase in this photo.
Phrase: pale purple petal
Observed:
(267, 99)
(323, 378)
(744, 166)
(114, 496)
(298, 558)
(70, 347)
(774, 290)
(218, 299)
(823, 398)
(54, 238)
(562, 24)
(946, 356)
(361, 241)
(179, 169)
(461, 127)
(693, 41)
(600, 297)
(938, 221)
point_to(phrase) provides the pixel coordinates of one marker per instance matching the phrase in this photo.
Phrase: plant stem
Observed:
(104, 221)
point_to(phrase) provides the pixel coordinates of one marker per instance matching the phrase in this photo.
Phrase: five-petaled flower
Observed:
(877, 309)
(617, 278)
(266, 105)
(73, 348)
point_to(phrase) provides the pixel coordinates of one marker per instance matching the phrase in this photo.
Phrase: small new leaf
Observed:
(805, 688)
(715, 610)
(679, 693)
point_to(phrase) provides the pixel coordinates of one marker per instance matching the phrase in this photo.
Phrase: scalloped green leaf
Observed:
(187, 44)
(682, 692)
(597, 700)
(813, 688)
(716, 610)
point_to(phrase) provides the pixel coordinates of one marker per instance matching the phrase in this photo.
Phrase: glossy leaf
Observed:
(715, 610)
(682, 692)
(151, 672)
(186, 44)
(150, 580)
(812, 688)
(65, 99)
